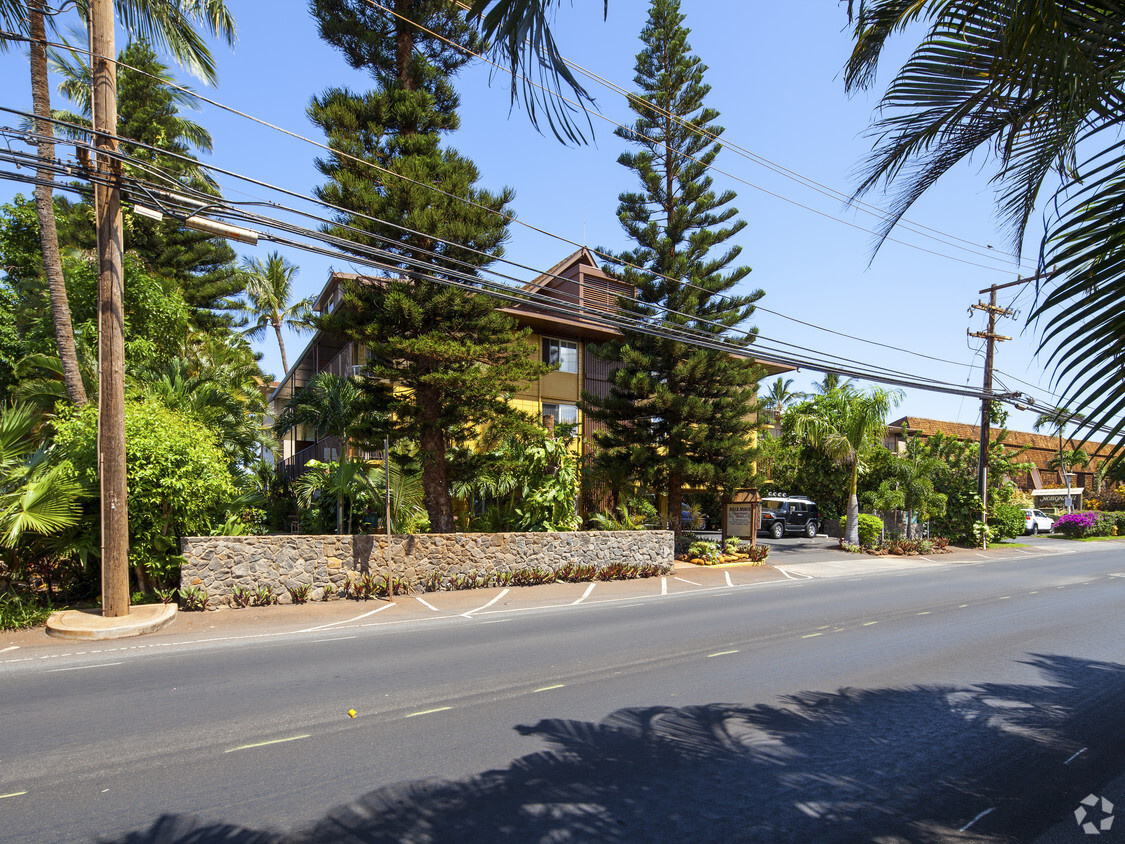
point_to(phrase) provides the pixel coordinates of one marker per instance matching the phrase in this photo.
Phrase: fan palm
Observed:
(1037, 86)
(269, 288)
(35, 497)
(845, 425)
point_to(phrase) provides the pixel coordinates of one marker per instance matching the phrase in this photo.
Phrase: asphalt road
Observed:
(967, 702)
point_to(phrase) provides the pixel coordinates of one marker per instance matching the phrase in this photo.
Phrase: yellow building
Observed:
(564, 326)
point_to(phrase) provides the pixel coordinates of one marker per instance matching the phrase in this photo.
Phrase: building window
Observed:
(561, 352)
(563, 414)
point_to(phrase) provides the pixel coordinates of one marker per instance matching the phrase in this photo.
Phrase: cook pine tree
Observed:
(682, 416)
(442, 360)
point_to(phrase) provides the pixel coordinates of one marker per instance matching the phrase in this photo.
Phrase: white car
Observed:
(1036, 521)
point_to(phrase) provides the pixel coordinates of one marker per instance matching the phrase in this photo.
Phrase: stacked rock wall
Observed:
(217, 564)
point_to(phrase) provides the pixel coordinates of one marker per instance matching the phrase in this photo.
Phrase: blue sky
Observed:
(775, 75)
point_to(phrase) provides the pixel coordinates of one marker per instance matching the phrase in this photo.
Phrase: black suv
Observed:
(782, 514)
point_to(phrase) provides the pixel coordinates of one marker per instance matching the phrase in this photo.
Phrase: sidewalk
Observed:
(477, 603)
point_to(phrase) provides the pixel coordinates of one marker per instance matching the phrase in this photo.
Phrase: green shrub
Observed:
(870, 529)
(1007, 521)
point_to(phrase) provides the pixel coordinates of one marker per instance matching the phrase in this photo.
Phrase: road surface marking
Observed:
(1034, 592)
(585, 594)
(984, 556)
(721, 653)
(426, 603)
(726, 574)
(977, 818)
(962, 606)
(869, 623)
(84, 667)
(1005, 598)
(13, 794)
(800, 575)
(336, 639)
(692, 582)
(264, 743)
(1075, 756)
(663, 586)
(429, 711)
(346, 620)
(1115, 574)
(927, 612)
(503, 592)
(810, 635)
(17, 647)
(549, 688)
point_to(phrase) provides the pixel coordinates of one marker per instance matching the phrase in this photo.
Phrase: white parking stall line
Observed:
(799, 575)
(426, 603)
(585, 594)
(346, 620)
(469, 614)
(692, 582)
(726, 574)
(663, 586)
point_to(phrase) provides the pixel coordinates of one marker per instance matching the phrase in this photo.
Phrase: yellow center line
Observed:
(927, 612)
(548, 688)
(1006, 597)
(13, 794)
(721, 653)
(429, 711)
(264, 743)
(869, 623)
(962, 606)
(811, 635)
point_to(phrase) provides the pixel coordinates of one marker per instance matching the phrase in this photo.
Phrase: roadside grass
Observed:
(19, 612)
(1084, 538)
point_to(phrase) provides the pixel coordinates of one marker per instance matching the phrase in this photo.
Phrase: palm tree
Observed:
(1037, 88)
(329, 407)
(218, 407)
(170, 23)
(845, 425)
(35, 497)
(1057, 419)
(779, 395)
(832, 381)
(269, 287)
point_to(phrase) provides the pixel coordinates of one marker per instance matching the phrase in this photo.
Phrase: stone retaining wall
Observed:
(219, 563)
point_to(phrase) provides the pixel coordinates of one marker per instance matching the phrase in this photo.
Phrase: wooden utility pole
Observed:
(111, 343)
(990, 337)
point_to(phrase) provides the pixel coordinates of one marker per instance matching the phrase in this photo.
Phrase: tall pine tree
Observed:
(680, 415)
(442, 361)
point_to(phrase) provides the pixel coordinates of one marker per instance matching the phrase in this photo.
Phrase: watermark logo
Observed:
(1093, 821)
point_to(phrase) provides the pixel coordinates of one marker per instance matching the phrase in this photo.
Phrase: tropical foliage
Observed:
(1036, 88)
(846, 426)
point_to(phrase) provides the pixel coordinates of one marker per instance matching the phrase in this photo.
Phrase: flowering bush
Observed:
(1080, 525)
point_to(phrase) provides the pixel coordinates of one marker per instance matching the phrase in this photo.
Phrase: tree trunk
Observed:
(281, 345)
(435, 472)
(675, 503)
(851, 529)
(45, 209)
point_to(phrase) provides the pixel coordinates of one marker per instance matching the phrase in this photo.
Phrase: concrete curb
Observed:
(91, 625)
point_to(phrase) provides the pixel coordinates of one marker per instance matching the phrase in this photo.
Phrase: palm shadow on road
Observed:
(909, 764)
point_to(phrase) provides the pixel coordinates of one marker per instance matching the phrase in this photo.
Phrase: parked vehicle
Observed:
(1036, 521)
(789, 514)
